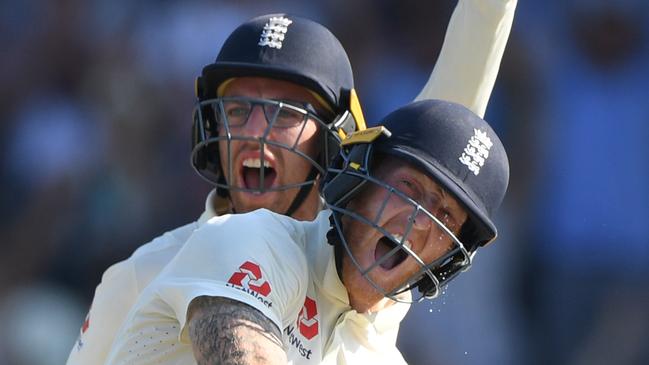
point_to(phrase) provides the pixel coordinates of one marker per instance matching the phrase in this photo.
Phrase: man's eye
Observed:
(408, 188)
(407, 183)
(447, 218)
(287, 117)
(287, 113)
(237, 111)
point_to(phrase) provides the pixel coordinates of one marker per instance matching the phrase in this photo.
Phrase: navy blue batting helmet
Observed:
(451, 145)
(282, 47)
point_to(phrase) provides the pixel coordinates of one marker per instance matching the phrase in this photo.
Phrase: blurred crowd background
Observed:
(95, 103)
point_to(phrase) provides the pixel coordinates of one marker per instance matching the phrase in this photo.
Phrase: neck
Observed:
(310, 207)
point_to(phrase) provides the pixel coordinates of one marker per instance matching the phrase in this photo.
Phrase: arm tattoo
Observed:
(224, 331)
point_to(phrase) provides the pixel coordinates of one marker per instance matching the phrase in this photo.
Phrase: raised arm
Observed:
(468, 63)
(224, 331)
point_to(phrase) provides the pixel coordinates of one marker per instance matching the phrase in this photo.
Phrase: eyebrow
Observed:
(451, 203)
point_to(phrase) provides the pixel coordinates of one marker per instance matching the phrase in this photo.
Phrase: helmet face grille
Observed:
(428, 277)
(279, 47)
(454, 148)
(221, 123)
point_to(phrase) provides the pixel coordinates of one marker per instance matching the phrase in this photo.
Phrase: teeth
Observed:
(255, 163)
(399, 238)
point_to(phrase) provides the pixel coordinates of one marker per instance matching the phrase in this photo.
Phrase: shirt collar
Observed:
(320, 255)
(209, 212)
(323, 264)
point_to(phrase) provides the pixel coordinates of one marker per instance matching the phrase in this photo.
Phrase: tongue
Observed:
(252, 178)
(383, 247)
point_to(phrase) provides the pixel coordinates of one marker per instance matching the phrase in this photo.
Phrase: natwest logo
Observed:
(306, 321)
(249, 276)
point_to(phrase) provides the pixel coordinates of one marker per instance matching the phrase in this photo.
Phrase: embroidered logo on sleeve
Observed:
(274, 32)
(306, 319)
(249, 279)
(476, 151)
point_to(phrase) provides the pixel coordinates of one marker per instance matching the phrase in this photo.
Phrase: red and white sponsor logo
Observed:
(84, 328)
(306, 319)
(249, 276)
(86, 324)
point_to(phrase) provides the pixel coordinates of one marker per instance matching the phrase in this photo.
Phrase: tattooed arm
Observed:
(224, 331)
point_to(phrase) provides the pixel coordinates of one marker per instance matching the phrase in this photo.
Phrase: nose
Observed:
(256, 124)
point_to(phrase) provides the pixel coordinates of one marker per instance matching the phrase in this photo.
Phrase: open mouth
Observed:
(251, 173)
(384, 247)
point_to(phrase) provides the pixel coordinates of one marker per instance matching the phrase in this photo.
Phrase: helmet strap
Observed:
(302, 194)
(333, 239)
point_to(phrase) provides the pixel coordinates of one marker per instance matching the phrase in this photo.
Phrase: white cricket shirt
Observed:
(256, 258)
(328, 331)
(259, 259)
(465, 72)
(467, 66)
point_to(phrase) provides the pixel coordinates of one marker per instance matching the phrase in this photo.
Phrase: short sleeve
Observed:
(252, 258)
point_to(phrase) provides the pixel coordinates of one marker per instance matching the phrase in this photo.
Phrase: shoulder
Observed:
(261, 223)
(148, 260)
(168, 239)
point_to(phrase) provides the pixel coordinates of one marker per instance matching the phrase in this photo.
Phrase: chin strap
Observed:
(334, 239)
(303, 193)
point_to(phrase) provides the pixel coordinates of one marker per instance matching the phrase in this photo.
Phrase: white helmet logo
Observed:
(476, 151)
(274, 32)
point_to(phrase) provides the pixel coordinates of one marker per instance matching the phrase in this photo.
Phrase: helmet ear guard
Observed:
(200, 113)
(343, 179)
(199, 134)
(199, 87)
(350, 98)
(205, 156)
(340, 187)
(345, 123)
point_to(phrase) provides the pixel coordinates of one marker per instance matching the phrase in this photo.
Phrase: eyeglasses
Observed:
(235, 111)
